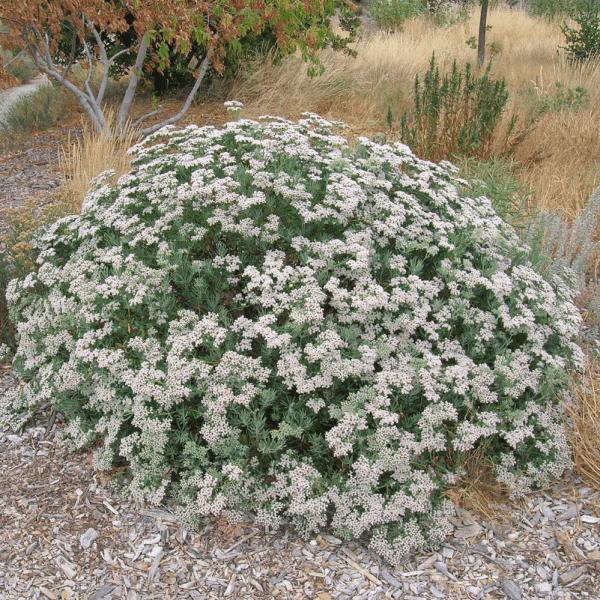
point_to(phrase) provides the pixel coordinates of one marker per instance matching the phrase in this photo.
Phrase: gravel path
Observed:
(9, 97)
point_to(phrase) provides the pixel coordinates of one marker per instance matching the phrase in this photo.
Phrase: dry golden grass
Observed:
(585, 435)
(561, 157)
(91, 154)
(478, 490)
(383, 73)
(562, 160)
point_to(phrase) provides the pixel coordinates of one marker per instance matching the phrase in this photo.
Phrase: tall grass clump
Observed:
(265, 317)
(585, 415)
(93, 153)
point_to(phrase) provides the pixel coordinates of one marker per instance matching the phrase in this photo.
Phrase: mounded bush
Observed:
(263, 317)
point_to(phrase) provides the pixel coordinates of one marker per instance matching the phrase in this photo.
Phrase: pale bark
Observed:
(188, 101)
(131, 88)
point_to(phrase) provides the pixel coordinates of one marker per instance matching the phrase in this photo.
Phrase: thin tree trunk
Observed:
(131, 88)
(203, 67)
(482, 31)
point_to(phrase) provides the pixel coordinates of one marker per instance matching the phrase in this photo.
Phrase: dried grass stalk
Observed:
(91, 154)
(585, 435)
(478, 490)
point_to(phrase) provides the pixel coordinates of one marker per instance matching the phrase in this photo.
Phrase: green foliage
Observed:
(391, 14)
(41, 109)
(497, 180)
(552, 9)
(560, 98)
(583, 43)
(457, 114)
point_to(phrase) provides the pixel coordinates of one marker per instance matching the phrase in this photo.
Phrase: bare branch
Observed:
(90, 93)
(36, 54)
(71, 55)
(133, 82)
(12, 60)
(148, 116)
(188, 101)
(45, 46)
(104, 60)
(115, 56)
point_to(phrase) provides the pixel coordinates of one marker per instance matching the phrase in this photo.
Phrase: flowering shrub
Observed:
(261, 317)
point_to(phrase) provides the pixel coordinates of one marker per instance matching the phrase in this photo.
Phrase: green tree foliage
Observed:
(583, 42)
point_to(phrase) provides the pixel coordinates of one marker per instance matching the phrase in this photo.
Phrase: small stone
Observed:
(474, 590)
(548, 513)
(470, 531)
(590, 519)
(447, 552)
(511, 589)
(542, 573)
(14, 439)
(569, 513)
(86, 539)
(543, 589)
(436, 593)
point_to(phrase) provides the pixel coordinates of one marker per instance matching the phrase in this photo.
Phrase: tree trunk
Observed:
(482, 30)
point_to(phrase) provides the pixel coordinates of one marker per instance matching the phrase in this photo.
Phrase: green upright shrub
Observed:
(559, 98)
(456, 114)
(391, 14)
(262, 317)
(583, 42)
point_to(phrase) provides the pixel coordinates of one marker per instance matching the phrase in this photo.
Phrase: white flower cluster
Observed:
(281, 323)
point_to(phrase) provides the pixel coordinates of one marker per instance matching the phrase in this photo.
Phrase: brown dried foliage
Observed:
(6, 79)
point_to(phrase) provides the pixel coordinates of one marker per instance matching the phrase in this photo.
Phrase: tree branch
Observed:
(105, 62)
(133, 82)
(148, 116)
(71, 55)
(93, 100)
(36, 55)
(188, 101)
(12, 60)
